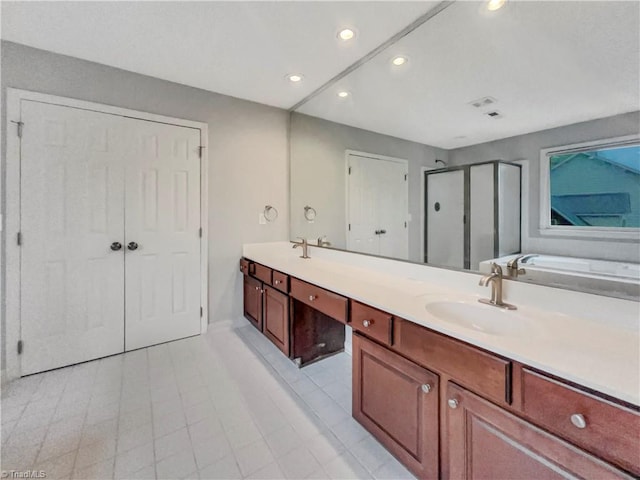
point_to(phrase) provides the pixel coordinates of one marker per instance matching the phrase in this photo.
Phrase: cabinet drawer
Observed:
(372, 322)
(482, 372)
(327, 302)
(609, 430)
(262, 273)
(280, 281)
(244, 266)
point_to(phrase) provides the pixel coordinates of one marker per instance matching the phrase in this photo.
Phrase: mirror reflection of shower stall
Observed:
(472, 214)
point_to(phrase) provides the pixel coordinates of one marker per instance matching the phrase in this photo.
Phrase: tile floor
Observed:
(227, 405)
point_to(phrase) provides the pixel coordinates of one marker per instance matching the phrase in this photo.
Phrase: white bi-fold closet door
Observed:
(110, 234)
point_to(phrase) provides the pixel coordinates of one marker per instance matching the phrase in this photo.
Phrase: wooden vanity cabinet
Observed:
(276, 318)
(484, 441)
(445, 408)
(397, 401)
(253, 291)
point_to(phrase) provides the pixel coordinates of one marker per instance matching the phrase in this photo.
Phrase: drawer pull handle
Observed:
(312, 298)
(277, 282)
(426, 388)
(367, 323)
(578, 420)
(453, 403)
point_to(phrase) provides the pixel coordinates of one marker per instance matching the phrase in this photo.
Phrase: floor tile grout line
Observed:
(193, 454)
(48, 427)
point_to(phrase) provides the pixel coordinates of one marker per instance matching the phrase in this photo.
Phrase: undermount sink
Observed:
(481, 318)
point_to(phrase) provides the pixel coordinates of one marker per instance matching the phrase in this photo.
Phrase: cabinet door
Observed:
(276, 318)
(397, 401)
(253, 301)
(485, 441)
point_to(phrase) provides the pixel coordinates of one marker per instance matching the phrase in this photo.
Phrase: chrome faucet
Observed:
(323, 242)
(495, 278)
(305, 247)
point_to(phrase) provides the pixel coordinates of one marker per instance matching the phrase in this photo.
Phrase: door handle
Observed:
(132, 246)
(115, 246)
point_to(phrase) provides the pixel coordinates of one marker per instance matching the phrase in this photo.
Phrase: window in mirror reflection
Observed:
(597, 187)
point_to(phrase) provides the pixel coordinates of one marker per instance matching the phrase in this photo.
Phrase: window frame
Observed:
(599, 233)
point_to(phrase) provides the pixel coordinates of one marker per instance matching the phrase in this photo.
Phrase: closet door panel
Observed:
(72, 194)
(162, 218)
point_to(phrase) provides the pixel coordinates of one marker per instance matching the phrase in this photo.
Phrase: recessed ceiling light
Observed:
(294, 77)
(346, 34)
(493, 5)
(399, 60)
(343, 94)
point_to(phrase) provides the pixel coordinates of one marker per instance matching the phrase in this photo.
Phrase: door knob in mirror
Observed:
(115, 246)
(132, 246)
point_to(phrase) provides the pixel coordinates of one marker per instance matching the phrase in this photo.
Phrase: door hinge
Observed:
(20, 126)
(405, 224)
(349, 170)
(349, 227)
(201, 312)
(20, 347)
(405, 177)
(19, 238)
(200, 232)
(201, 150)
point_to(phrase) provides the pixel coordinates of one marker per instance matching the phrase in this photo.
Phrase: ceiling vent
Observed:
(494, 114)
(483, 102)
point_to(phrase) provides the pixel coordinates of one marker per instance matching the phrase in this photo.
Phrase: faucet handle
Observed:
(302, 239)
(495, 268)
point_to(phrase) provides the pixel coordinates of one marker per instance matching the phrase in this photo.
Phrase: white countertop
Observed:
(588, 339)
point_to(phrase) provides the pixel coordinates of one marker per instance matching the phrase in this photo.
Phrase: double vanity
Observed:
(453, 387)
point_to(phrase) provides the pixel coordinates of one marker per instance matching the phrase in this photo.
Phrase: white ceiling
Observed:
(242, 49)
(547, 63)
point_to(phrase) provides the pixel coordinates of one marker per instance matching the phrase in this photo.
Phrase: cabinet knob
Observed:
(312, 298)
(277, 282)
(262, 290)
(257, 288)
(426, 388)
(578, 420)
(367, 323)
(453, 403)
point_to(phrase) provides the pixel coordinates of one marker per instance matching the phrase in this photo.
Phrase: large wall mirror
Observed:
(485, 132)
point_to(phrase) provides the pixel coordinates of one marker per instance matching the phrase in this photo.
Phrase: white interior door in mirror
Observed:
(377, 206)
(162, 227)
(72, 211)
(445, 219)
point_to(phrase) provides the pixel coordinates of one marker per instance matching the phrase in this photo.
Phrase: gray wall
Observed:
(248, 151)
(527, 148)
(318, 175)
